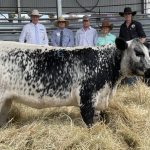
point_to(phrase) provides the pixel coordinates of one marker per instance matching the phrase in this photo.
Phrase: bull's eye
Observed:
(138, 53)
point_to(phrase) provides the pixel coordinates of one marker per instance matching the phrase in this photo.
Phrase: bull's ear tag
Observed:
(121, 44)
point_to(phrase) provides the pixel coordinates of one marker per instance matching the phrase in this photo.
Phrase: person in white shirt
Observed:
(86, 36)
(34, 32)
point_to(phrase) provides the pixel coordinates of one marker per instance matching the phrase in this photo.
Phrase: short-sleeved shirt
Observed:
(108, 39)
(135, 30)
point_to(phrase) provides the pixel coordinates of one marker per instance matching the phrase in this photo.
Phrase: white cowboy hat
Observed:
(35, 12)
(61, 19)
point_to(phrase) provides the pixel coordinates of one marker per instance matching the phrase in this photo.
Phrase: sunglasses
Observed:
(85, 20)
(61, 21)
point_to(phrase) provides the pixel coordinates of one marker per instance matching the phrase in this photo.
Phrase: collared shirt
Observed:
(34, 34)
(67, 39)
(135, 30)
(107, 39)
(86, 37)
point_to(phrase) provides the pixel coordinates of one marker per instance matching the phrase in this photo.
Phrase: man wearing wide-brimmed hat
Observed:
(106, 37)
(86, 36)
(62, 36)
(34, 32)
(131, 29)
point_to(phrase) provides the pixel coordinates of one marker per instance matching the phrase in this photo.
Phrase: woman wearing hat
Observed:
(131, 29)
(62, 36)
(34, 32)
(106, 37)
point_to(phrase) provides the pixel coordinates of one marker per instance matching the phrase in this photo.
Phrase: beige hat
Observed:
(35, 12)
(61, 19)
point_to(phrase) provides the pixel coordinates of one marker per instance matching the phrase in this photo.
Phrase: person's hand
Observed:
(142, 40)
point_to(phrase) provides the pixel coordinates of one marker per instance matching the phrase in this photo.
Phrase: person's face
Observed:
(61, 24)
(86, 23)
(35, 19)
(105, 30)
(128, 17)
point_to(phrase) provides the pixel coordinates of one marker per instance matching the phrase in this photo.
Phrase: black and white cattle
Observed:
(43, 77)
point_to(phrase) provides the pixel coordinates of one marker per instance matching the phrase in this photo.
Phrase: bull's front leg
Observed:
(86, 105)
(5, 105)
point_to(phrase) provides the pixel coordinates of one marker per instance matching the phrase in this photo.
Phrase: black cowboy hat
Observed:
(127, 10)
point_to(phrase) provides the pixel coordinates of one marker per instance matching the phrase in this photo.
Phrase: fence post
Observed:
(59, 8)
(19, 10)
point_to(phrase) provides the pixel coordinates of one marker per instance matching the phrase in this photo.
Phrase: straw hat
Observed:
(106, 23)
(127, 10)
(61, 19)
(35, 12)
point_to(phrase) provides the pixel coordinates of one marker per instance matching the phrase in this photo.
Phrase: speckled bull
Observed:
(86, 77)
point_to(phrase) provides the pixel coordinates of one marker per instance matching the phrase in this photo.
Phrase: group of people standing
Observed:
(35, 33)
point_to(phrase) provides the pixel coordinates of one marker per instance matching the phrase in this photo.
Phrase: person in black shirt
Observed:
(131, 29)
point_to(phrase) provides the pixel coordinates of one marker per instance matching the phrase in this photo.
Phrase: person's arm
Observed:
(98, 41)
(45, 37)
(113, 38)
(53, 39)
(121, 32)
(22, 37)
(71, 41)
(77, 38)
(141, 33)
(95, 37)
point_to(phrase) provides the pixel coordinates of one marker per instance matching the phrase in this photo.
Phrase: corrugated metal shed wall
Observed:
(28, 5)
(72, 5)
(42, 5)
(8, 5)
(102, 5)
